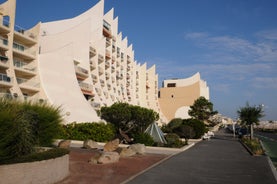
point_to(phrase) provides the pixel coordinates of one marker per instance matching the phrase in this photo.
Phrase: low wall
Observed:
(42, 172)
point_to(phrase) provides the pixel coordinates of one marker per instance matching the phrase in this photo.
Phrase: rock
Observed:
(127, 152)
(95, 158)
(111, 146)
(90, 144)
(138, 148)
(64, 144)
(108, 157)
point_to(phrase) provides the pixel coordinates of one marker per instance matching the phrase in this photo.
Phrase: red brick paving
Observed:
(82, 172)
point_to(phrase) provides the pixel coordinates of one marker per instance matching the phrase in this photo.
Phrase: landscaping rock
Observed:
(64, 144)
(111, 146)
(90, 144)
(127, 152)
(95, 158)
(108, 157)
(138, 148)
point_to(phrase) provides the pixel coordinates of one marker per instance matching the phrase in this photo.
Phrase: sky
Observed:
(232, 43)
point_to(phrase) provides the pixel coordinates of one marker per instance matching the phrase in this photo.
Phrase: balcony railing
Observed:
(4, 42)
(100, 58)
(4, 61)
(23, 65)
(92, 64)
(23, 49)
(23, 32)
(5, 78)
(81, 71)
(100, 70)
(28, 84)
(86, 86)
(92, 51)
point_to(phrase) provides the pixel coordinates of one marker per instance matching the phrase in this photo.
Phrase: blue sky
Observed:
(232, 43)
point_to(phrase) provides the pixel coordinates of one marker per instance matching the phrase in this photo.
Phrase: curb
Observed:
(158, 163)
(273, 168)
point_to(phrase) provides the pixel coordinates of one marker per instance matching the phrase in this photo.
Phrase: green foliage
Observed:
(250, 114)
(199, 127)
(99, 132)
(144, 138)
(38, 156)
(24, 125)
(254, 145)
(174, 123)
(202, 109)
(129, 118)
(184, 131)
(173, 140)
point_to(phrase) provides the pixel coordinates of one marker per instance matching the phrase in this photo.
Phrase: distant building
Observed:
(176, 95)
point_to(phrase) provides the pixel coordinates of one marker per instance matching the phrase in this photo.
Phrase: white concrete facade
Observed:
(82, 63)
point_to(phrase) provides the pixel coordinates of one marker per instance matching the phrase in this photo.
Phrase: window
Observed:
(171, 85)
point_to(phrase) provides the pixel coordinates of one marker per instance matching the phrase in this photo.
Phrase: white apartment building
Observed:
(80, 64)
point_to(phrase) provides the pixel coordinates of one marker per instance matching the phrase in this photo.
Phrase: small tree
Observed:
(128, 119)
(250, 115)
(202, 110)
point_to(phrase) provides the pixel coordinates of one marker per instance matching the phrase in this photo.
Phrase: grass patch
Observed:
(254, 145)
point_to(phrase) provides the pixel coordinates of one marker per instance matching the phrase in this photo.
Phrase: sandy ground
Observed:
(82, 172)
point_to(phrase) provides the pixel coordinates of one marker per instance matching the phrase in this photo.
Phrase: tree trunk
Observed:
(251, 131)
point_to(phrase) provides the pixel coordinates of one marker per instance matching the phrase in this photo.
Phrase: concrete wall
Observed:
(42, 172)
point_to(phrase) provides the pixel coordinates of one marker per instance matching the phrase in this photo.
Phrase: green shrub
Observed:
(254, 145)
(184, 131)
(174, 123)
(99, 132)
(173, 140)
(144, 138)
(198, 126)
(24, 125)
(45, 155)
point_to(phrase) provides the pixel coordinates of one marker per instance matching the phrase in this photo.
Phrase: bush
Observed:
(24, 125)
(173, 140)
(174, 123)
(99, 132)
(184, 131)
(254, 145)
(144, 138)
(45, 155)
(198, 127)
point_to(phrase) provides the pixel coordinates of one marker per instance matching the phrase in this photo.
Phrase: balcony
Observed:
(95, 105)
(5, 27)
(4, 63)
(113, 69)
(4, 43)
(92, 64)
(102, 82)
(23, 51)
(92, 51)
(23, 68)
(100, 58)
(28, 84)
(24, 36)
(81, 72)
(128, 59)
(107, 64)
(107, 76)
(108, 42)
(108, 54)
(107, 29)
(86, 88)
(98, 91)
(94, 79)
(5, 80)
(100, 70)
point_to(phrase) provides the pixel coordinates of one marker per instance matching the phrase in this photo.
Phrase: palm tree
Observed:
(250, 115)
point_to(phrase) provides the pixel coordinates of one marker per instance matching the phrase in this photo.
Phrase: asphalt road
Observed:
(221, 160)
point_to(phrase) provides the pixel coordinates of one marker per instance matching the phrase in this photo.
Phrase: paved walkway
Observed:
(221, 160)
